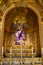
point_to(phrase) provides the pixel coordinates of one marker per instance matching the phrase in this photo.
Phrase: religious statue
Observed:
(20, 35)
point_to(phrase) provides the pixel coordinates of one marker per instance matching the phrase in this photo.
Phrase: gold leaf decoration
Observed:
(41, 2)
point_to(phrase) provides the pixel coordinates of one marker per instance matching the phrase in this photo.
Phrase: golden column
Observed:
(0, 39)
(0, 46)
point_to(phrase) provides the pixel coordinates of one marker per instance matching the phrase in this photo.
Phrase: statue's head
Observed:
(19, 27)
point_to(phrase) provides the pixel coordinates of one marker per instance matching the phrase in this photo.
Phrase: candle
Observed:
(32, 50)
(10, 50)
(2, 50)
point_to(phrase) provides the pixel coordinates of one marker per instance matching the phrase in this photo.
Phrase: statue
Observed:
(19, 35)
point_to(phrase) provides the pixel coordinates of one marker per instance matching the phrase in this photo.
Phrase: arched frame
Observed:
(13, 6)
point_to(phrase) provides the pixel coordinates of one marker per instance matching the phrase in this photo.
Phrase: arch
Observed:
(29, 6)
(12, 7)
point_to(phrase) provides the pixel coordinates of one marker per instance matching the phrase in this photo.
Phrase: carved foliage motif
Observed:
(40, 3)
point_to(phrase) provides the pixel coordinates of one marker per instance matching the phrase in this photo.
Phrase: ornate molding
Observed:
(39, 3)
(23, 3)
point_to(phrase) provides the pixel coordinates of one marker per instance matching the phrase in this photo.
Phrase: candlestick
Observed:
(2, 50)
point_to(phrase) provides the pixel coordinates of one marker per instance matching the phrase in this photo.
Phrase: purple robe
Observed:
(19, 35)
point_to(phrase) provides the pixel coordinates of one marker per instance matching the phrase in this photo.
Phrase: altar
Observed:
(20, 36)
